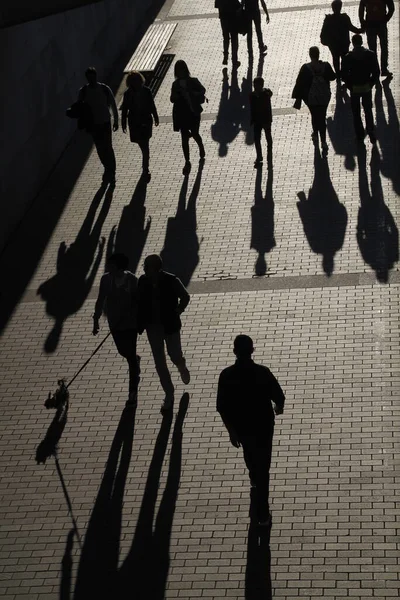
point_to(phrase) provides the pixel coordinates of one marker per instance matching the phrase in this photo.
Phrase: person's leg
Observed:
(322, 123)
(369, 117)
(225, 37)
(250, 37)
(372, 34)
(383, 40)
(235, 43)
(356, 110)
(257, 142)
(335, 60)
(257, 25)
(249, 455)
(185, 145)
(155, 335)
(109, 164)
(144, 145)
(314, 123)
(197, 138)
(268, 137)
(125, 341)
(174, 349)
(262, 464)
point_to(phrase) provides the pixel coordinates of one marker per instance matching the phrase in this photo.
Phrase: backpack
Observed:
(319, 93)
(326, 31)
(375, 10)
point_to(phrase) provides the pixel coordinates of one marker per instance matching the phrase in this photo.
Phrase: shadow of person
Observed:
(131, 235)
(77, 265)
(388, 134)
(66, 568)
(262, 221)
(258, 584)
(144, 572)
(324, 218)
(227, 124)
(341, 129)
(180, 253)
(246, 88)
(377, 233)
(48, 446)
(98, 565)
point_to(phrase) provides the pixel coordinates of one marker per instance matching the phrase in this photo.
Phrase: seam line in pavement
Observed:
(229, 285)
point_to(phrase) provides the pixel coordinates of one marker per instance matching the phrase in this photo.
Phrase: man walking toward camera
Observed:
(99, 99)
(227, 12)
(374, 16)
(246, 391)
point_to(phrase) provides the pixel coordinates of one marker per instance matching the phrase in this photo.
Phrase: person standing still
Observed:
(374, 16)
(252, 9)
(335, 34)
(162, 299)
(227, 12)
(312, 86)
(118, 293)
(246, 391)
(99, 98)
(139, 110)
(187, 96)
(261, 119)
(360, 72)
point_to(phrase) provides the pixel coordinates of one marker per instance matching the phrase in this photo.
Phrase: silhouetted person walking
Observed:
(312, 86)
(227, 12)
(246, 391)
(335, 34)
(252, 9)
(118, 293)
(162, 299)
(139, 109)
(360, 72)
(187, 96)
(261, 119)
(374, 16)
(99, 98)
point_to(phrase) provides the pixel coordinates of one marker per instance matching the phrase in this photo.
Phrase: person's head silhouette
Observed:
(243, 346)
(91, 75)
(153, 264)
(336, 6)
(357, 40)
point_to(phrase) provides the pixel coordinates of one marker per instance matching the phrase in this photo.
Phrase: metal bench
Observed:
(151, 48)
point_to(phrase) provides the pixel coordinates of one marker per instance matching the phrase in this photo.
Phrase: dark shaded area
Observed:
(227, 124)
(388, 134)
(66, 568)
(131, 234)
(97, 571)
(13, 13)
(48, 446)
(258, 565)
(77, 265)
(144, 571)
(324, 218)
(262, 221)
(180, 253)
(377, 233)
(341, 129)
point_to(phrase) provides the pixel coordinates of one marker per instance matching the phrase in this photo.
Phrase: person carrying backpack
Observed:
(187, 96)
(313, 88)
(335, 34)
(374, 16)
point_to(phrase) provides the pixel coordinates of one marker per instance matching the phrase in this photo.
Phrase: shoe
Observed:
(258, 163)
(185, 374)
(236, 64)
(263, 49)
(225, 61)
(386, 73)
(325, 148)
(372, 138)
(132, 400)
(314, 137)
(266, 523)
(167, 404)
(147, 176)
(202, 154)
(187, 168)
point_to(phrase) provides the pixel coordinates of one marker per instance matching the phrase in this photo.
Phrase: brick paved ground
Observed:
(162, 514)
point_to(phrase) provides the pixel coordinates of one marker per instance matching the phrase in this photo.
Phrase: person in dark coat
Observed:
(139, 109)
(162, 299)
(335, 34)
(246, 392)
(313, 88)
(374, 16)
(261, 118)
(360, 72)
(227, 12)
(187, 96)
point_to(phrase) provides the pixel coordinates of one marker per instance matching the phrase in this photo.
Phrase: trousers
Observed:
(257, 454)
(102, 138)
(125, 341)
(257, 139)
(230, 34)
(158, 340)
(373, 33)
(318, 120)
(366, 100)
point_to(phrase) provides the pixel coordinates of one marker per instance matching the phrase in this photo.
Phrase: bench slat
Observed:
(151, 47)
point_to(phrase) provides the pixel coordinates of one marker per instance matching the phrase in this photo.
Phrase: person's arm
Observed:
(276, 393)
(390, 7)
(113, 106)
(183, 295)
(251, 109)
(329, 73)
(175, 93)
(153, 109)
(375, 70)
(265, 9)
(81, 94)
(352, 27)
(98, 309)
(124, 112)
(361, 12)
(298, 90)
(222, 403)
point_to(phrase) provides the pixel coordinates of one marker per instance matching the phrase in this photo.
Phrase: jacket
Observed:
(360, 68)
(172, 300)
(305, 77)
(260, 107)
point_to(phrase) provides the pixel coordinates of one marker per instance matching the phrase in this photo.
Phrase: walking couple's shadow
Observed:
(77, 265)
(324, 218)
(144, 571)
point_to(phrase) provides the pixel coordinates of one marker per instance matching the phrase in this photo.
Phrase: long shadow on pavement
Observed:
(377, 233)
(180, 253)
(341, 129)
(388, 134)
(77, 265)
(324, 218)
(258, 566)
(262, 221)
(227, 124)
(131, 235)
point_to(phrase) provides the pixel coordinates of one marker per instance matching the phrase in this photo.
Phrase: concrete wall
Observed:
(42, 66)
